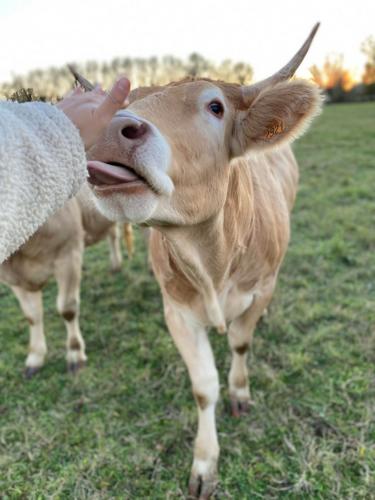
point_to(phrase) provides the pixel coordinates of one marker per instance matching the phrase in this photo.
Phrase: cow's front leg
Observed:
(32, 306)
(192, 342)
(240, 335)
(68, 276)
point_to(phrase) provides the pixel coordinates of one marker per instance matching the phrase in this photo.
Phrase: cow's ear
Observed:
(278, 114)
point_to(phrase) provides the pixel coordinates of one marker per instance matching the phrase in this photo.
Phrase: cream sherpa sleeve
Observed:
(42, 165)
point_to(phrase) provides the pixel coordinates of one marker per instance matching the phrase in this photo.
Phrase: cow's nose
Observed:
(134, 130)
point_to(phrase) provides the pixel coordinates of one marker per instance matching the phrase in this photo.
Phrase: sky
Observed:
(265, 34)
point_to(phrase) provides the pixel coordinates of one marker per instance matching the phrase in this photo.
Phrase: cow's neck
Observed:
(204, 252)
(201, 245)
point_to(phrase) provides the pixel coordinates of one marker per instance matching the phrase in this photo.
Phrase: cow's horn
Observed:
(251, 91)
(80, 79)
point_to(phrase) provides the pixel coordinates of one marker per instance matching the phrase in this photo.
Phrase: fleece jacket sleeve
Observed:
(42, 165)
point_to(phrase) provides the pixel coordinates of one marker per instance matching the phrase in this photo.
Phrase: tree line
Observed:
(51, 84)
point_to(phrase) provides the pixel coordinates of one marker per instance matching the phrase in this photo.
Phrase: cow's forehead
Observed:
(187, 90)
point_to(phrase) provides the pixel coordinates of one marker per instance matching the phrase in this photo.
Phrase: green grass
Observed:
(124, 427)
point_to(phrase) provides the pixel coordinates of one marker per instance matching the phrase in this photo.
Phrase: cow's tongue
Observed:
(106, 174)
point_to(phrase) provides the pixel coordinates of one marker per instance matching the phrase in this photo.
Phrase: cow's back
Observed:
(33, 263)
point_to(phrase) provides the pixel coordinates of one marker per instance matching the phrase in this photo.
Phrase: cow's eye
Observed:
(216, 108)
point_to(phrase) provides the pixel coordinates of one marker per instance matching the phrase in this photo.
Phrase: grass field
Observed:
(124, 427)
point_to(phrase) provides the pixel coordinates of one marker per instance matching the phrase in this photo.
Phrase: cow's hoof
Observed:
(201, 488)
(239, 408)
(30, 371)
(116, 269)
(75, 367)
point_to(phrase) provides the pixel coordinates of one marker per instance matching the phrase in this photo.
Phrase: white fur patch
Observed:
(242, 393)
(235, 302)
(202, 467)
(213, 122)
(35, 359)
(119, 207)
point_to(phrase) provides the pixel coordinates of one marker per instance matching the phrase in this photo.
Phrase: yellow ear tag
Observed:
(275, 127)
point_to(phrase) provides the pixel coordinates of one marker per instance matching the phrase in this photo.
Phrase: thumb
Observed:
(114, 100)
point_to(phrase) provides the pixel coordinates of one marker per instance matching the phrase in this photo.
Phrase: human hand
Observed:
(92, 111)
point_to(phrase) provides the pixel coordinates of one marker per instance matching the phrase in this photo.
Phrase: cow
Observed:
(56, 249)
(208, 165)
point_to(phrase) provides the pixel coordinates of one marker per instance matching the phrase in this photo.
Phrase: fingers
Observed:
(114, 100)
(98, 90)
(91, 112)
(120, 91)
(73, 92)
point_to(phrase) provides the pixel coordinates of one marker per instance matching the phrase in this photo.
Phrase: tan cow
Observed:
(208, 165)
(56, 249)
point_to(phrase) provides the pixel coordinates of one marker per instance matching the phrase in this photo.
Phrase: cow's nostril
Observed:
(134, 132)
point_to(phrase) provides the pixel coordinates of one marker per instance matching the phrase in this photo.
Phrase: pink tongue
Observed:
(104, 173)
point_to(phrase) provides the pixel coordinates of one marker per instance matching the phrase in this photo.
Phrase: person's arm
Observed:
(42, 157)
(42, 164)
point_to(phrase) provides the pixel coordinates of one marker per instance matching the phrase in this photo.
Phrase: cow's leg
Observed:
(146, 233)
(129, 239)
(240, 336)
(32, 307)
(193, 344)
(68, 276)
(115, 248)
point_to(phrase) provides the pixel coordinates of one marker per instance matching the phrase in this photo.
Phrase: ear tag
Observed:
(276, 127)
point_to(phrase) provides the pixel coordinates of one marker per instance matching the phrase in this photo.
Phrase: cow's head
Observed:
(166, 159)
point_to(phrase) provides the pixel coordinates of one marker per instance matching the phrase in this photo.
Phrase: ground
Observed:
(124, 427)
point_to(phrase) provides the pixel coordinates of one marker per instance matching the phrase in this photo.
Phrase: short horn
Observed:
(80, 79)
(251, 91)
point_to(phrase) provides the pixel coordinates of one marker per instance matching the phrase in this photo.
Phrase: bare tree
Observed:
(333, 74)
